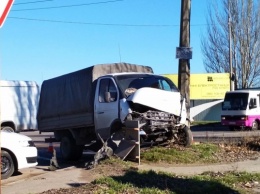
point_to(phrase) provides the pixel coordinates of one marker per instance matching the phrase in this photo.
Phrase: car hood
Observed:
(12, 138)
(157, 99)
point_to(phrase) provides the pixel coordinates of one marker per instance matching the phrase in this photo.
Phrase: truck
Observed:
(96, 102)
(241, 109)
(19, 104)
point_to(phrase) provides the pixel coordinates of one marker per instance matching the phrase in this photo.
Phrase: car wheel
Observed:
(7, 165)
(255, 126)
(7, 129)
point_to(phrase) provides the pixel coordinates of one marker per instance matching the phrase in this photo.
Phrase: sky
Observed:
(42, 39)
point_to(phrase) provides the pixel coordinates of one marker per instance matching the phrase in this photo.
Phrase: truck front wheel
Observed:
(69, 149)
(184, 136)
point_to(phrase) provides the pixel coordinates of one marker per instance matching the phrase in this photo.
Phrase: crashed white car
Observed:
(17, 152)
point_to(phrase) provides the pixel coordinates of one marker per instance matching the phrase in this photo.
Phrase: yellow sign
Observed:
(206, 86)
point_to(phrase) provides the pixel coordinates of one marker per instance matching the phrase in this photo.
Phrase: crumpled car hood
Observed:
(158, 99)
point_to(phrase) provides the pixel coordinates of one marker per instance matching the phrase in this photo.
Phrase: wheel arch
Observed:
(13, 157)
(8, 124)
(115, 125)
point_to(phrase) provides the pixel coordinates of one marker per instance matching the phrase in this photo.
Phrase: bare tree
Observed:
(245, 40)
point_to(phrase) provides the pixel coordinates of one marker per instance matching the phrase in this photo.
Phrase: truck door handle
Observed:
(100, 112)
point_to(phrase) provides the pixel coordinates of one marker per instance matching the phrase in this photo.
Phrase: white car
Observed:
(17, 152)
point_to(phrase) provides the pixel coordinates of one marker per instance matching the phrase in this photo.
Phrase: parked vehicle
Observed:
(97, 101)
(241, 109)
(17, 152)
(19, 103)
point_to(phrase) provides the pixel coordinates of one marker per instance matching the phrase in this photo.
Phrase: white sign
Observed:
(5, 6)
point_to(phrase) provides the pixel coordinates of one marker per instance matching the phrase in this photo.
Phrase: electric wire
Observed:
(103, 24)
(67, 6)
(31, 2)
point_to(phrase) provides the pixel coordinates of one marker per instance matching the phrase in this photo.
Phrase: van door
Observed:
(106, 106)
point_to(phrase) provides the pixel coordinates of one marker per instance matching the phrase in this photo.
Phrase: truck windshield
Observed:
(137, 81)
(235, 101)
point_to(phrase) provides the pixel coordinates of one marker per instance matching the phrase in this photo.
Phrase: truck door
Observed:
(106, 106)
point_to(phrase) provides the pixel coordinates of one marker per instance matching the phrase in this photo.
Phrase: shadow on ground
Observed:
(171, 183)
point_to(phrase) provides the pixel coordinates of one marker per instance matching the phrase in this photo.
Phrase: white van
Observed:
(241, 109)
(19, 104)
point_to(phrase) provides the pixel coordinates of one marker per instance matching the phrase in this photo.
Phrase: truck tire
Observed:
(7, 165)
(8, 129)
(69, 150)
(184, 136)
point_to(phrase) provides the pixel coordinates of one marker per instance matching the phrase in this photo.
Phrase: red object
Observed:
(50, 148)
(4, 10)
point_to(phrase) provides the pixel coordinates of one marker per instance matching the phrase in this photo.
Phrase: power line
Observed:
(66, 6)
(30, 2)
(103, 24)
(96, 24)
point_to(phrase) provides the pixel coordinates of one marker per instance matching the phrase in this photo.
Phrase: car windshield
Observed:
(235, 101)
(132, 82)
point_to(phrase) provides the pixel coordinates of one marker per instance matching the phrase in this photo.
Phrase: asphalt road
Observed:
(41, 172)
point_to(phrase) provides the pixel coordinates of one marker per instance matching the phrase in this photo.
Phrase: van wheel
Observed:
(255, 126)
(69, 150)
(7, 129)
(7, 165)
(184, 136)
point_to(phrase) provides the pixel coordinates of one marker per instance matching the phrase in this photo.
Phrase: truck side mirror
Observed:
(107, 96)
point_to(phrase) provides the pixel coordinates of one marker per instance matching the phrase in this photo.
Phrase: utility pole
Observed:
(184, 53)
(232, 73)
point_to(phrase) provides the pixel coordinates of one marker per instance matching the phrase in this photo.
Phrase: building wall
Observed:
(211, 114)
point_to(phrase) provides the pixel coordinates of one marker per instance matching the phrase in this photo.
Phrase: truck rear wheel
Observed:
(69, 149)
(184, 136)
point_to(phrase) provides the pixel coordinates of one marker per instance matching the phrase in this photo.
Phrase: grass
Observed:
(163, 183)
(201, 153)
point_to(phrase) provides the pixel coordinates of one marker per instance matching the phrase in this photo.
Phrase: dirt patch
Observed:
(228, 153)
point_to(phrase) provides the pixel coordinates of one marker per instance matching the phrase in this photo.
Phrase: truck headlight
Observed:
(223, 118)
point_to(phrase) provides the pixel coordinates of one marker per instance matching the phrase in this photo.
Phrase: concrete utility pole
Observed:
(184, 53)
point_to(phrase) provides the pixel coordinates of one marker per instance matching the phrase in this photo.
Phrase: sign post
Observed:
(5, 6)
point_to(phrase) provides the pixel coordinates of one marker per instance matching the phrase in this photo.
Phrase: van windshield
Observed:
(235, 101)
(136, 81)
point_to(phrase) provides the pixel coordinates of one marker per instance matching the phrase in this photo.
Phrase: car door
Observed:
(106, 106)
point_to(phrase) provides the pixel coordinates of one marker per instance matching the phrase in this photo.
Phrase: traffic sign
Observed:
(5, 6)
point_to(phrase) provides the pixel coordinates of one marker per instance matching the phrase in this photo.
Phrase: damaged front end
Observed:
(161, 115)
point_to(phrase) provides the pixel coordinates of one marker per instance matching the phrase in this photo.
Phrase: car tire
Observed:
(7, 165)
